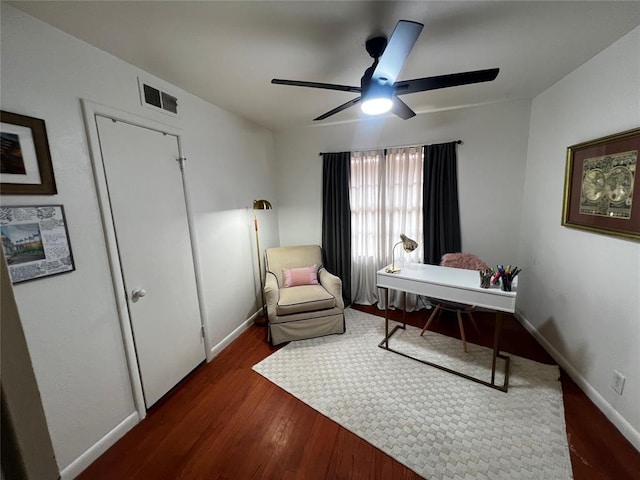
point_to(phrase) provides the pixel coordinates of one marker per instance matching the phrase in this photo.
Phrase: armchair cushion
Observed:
(304, 298)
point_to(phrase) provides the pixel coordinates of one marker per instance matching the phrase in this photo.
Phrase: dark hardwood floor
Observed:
(225, 421)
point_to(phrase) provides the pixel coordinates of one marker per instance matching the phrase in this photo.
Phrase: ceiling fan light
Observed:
(376, 106)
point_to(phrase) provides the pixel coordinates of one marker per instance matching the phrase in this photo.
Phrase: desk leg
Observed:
(496, 345)
(386, 318)
(404, 310)
(496, 348)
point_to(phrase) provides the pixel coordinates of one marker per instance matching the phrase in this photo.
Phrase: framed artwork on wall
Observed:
(35, 241)
(25, 160)
(601, 191)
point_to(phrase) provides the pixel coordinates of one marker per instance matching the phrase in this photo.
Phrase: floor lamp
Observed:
(260, 205)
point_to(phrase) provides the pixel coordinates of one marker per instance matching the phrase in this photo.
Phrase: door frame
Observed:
(90, 110)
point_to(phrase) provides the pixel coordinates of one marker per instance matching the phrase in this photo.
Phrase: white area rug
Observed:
(439, 425)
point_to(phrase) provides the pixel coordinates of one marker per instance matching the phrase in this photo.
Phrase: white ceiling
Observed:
(228, 52)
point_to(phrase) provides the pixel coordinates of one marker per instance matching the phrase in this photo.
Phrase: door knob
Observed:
(137, 294)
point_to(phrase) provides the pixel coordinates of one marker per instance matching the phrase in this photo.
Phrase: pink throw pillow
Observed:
(294, 277)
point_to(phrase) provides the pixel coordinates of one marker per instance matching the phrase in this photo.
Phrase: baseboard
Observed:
(91, 455)
(216, 349)
(625, 428)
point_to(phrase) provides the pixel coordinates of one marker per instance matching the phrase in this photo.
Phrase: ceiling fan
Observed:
(379, 91)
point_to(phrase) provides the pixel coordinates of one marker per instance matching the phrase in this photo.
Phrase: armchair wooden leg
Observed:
(432, 317)
(464, 340)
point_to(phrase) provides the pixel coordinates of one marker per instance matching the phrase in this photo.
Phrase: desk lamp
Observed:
(408, 245)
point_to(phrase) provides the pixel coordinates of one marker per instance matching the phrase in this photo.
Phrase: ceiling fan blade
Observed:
(395, 54)
(344, 106)
(326, 86)
(401, 109)
(444, 81)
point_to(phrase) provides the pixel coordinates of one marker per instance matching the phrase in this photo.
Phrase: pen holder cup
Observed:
(485, 278)
(506, 284)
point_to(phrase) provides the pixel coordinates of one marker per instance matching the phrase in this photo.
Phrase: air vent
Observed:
(169, 103)
(157, 99)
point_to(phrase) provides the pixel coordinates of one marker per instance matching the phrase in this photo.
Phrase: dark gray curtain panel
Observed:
(336, 218)
(440, 202)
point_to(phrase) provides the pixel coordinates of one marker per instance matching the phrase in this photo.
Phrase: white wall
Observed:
(70, 320)
(581, 290)
(491, 165)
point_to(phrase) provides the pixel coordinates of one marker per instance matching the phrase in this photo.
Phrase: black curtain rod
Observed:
(385, 148)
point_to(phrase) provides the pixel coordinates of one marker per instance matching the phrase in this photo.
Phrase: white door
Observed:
(149, 214)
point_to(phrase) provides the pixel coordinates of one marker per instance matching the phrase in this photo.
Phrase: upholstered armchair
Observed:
(303, 299)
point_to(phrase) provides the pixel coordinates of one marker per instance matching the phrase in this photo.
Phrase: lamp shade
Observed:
(376, 106)
(408, 244)
(262, 205)
(377, 99)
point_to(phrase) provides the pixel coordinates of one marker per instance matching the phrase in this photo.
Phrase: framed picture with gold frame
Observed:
(601, 191)
(25, 161)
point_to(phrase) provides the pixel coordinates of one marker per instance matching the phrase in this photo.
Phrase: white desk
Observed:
(455, 285)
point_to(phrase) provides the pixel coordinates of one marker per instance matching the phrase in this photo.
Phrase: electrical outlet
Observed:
(618, 382)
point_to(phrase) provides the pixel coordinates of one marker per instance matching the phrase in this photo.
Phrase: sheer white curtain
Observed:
(386, 200)
(366, 193)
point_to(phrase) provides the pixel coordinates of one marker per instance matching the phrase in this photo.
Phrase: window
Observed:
(386, 200)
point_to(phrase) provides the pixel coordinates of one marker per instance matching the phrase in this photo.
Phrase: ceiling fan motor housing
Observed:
(375, 46)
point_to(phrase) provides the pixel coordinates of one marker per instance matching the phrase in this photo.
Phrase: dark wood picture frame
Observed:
(42, 161)
(602, 185)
